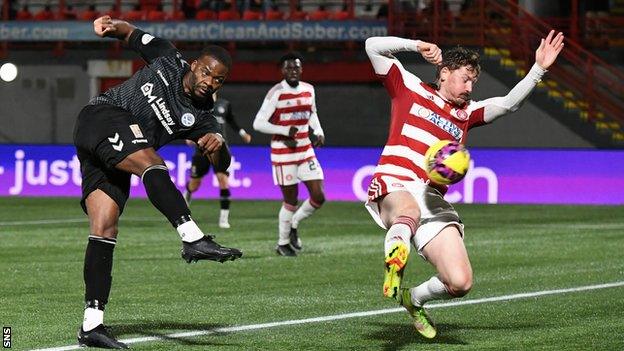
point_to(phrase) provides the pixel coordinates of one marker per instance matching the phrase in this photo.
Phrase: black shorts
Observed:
(200, 165)
(104, 135)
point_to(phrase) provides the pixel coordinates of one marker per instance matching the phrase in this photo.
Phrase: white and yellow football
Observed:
(447, 162)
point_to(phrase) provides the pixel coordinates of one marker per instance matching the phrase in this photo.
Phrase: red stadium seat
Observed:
(90, 14)
(274, 14)
(45, 14)
(250, 15)
(156, 15)
(24, 14)
(176, 16)
(113, 12)
(205, 15)
(319, 15)
(135, 14)
(68, 14)
(228, 15)
(149, 5)
(298, 15)
(341, 15)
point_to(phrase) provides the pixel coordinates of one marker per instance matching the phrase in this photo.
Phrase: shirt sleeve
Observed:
(380, 51)
(261, 122)
(314, 121)
(149, 47)
(502, 105)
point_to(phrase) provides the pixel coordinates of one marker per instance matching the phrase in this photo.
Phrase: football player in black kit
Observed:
(201, 164)
(117, 135)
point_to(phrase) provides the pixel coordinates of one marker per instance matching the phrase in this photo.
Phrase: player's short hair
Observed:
(458, 57)
(293, 55)
(218, 53)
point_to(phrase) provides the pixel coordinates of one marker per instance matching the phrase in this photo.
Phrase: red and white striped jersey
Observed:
(420, 116)
(284, 107)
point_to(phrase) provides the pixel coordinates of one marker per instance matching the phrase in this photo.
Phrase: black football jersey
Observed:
(222, 111)
(155, 95)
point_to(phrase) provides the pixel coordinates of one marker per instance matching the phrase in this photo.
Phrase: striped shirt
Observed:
(285, 107)
(420, 116)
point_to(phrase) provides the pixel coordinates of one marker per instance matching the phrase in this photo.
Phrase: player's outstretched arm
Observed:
(545, 56)
(106, 26)
(549, 49)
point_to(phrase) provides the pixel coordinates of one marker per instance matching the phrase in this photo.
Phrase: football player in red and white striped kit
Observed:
(401, 197)
(288, 112)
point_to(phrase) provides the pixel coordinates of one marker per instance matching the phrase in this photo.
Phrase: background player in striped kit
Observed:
(200, 165)
(401, 197)
(288, 111)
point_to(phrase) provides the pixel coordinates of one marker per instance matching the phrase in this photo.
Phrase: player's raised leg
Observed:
(169, 201)
(400, 213)
(447, 253)
(98, 265)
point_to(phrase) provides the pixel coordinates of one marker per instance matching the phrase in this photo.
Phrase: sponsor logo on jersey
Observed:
(292, 116)
(136, 130)
(188, 119)
(116, 141)
(461, 115)
(423, 112)
(438, 120)
(159, 106)
(146, 38)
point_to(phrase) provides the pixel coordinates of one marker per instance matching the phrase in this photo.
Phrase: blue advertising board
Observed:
(355, 30)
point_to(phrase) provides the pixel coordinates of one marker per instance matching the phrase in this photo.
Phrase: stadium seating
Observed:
(24, 14)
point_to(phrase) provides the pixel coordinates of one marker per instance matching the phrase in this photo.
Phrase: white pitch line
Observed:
(336, 317)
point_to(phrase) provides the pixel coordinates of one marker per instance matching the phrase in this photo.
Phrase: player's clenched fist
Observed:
(103, 26)
(210, 142)
(430, 52)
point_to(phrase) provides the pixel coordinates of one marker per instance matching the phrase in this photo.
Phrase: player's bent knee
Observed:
(459, 285)
(139, 161)
(104, 230)
(410, 212)
(317, 200)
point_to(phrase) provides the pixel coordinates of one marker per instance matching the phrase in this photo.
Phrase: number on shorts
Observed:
(312, 165)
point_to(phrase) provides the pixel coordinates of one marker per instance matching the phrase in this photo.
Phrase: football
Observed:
(446, 162)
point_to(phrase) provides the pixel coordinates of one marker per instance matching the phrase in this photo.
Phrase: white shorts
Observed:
(435, 212)
(293, 174)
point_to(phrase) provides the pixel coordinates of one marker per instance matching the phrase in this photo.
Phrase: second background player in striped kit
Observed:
(288, 112)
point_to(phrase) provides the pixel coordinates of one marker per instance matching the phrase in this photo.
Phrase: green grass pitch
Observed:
(513, 249)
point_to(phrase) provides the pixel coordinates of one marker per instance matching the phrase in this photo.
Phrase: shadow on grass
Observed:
(396, 336)
(164, 329)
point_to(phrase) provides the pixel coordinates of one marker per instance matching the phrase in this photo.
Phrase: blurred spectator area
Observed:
(158, 10)
(595, 24)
